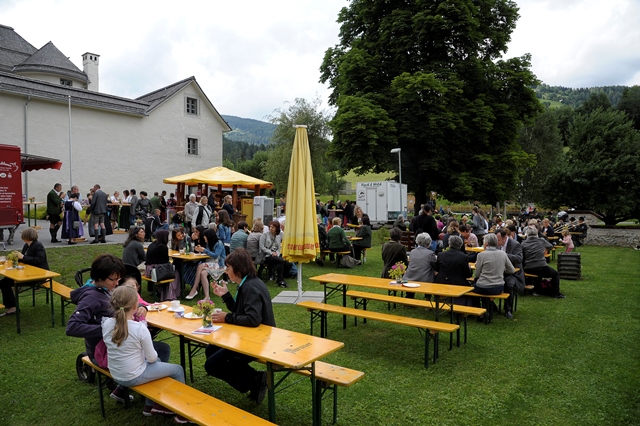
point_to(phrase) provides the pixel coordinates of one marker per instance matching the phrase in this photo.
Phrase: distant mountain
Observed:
(576, 97)
(248, 130)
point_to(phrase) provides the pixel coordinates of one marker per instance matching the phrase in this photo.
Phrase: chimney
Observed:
(90, 63)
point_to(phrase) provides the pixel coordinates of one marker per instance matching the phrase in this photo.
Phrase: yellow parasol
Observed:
(300, 243)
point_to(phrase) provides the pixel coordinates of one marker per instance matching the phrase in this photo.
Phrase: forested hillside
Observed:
(576, 97)
(237, 152)
(248, 130)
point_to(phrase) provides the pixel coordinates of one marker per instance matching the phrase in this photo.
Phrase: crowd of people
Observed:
(511, 248)
(110, 313)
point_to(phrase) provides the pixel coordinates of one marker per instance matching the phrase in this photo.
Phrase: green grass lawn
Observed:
(559, 362)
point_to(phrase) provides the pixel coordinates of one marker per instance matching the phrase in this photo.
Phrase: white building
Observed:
(51, 108)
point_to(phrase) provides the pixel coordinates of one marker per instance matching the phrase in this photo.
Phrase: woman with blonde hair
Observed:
(132, 358)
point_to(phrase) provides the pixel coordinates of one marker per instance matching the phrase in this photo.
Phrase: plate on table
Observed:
(411, 285)
(157, 306)
(191, 315)
(170, 309)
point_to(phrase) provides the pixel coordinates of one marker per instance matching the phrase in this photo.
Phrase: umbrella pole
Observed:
(299, 280)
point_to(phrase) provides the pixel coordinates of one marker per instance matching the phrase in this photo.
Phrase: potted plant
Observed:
(204, 308)
(13, 258)
(397, 272)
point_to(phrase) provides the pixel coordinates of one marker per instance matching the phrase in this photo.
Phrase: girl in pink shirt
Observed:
(567, 240)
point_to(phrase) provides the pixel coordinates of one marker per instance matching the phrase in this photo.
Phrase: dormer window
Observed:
(66, 82)
(192, 106)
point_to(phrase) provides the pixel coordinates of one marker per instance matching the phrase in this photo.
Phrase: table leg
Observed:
(50, 290)
(15, 290)
(344, 305)
(271, 393)
(29, 215)
(316, 396)
(182, 355)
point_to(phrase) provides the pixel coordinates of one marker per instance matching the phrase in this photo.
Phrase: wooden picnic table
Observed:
(288, 350)
(474, 249)
(191, 257)
(338, 283)
(28, 276)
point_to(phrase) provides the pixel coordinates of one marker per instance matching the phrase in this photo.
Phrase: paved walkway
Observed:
(45, 237)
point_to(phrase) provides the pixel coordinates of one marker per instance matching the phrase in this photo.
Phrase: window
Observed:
(66, 82)
(192, 106)
(192, 146)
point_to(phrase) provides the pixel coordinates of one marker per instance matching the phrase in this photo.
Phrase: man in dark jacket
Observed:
(54, 210)
(453, 268)
(426, 223)
(98, 213)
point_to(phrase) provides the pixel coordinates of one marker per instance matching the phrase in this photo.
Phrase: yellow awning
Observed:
(219, 176)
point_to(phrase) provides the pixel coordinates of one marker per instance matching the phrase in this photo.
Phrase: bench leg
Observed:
(100, 395)
(335, 404)
(61, 310)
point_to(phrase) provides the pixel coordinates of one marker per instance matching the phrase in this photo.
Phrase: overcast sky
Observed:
(253, 56)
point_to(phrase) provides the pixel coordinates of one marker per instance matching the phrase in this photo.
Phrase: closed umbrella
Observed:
(300, 243)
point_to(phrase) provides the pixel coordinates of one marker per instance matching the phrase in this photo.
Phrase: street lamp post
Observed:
(394, 151)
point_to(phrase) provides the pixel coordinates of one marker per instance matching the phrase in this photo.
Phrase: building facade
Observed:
(49, 107)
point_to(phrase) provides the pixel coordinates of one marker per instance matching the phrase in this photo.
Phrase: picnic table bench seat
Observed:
(338, 254)
(492, 297)
(184, 400)
(65, 295)
(461, 311)
(431, 329)
(152, 284)
(328, 378)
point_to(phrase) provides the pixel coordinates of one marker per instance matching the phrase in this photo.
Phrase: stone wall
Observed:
(600, 235)
(613, 236)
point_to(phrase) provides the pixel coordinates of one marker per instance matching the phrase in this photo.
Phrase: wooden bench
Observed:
(492, 297)
(461, 311)
(153, 284)
(338, 254)
(65, 295)
(184, 400)
(430, 328)
(328, 378)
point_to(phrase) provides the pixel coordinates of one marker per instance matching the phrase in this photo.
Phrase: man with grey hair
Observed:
(533, 249)
(491, 266)
(453, 268)
(421, 262)
(190, 209)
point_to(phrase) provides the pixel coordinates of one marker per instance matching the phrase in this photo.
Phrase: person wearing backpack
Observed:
(202, 213)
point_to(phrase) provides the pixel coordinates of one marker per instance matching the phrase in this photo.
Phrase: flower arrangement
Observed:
(13, 258)
(204, 308)
(397, 271)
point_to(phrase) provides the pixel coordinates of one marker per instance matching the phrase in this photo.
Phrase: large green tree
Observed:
(630, 104)
(541, 139)
(309, 113)
(600, 170)
(426, 76)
